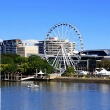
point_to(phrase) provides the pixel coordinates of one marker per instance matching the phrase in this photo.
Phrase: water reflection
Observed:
(55, 96)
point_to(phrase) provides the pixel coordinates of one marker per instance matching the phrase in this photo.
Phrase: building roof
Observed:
(98, 52)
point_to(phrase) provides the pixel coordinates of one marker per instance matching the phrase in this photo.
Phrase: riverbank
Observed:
(82, 80)
(105, 80)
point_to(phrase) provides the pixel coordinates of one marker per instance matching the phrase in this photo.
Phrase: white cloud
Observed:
(1, 40)
(30, 41)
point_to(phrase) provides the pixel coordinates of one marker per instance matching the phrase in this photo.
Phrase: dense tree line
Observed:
(13, 63)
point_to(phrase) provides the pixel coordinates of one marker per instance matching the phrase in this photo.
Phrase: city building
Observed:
(90, 58)
(16, 46)
(10, 46)
(26, 51)
(1, 47)
(98, 54)
(53, 44)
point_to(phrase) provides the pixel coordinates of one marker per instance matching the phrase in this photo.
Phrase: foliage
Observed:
(35, 62)
(23, 68)
(2, 67)
(20, 60)
(6, 60)
(10, 56)
(10, 68)
(104, 64)
(16, 63)
(69, 71)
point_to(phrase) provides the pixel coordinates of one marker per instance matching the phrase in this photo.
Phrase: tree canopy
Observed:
(15, 63)
(35, 62)
(104, 64)
(69, 71)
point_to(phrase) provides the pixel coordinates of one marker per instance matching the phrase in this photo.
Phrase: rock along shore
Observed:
(82, 80)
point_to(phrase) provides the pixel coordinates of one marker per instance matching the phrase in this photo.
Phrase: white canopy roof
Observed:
(40, 72)
(104, 72)
(84, 72)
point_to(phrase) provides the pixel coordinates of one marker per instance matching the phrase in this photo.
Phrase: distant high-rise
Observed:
(10, 46)
(16, 46)
(53, 44)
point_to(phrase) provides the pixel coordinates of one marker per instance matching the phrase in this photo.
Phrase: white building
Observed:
(53, 44)
(26, 51)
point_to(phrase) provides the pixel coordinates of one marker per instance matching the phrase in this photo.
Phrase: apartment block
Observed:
(16, 46)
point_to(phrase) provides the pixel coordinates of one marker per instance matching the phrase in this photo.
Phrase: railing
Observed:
(30, 77)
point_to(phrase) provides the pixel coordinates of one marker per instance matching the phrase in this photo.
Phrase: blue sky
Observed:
(32, 19)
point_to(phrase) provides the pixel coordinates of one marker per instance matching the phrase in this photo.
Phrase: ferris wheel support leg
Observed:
(56, 57)
(64, 59)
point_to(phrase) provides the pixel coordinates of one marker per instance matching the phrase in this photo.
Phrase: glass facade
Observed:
(10, 46)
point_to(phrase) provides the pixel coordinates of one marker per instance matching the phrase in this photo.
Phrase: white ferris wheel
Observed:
(62, 43)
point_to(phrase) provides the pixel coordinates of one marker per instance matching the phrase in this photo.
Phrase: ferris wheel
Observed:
(62, 43)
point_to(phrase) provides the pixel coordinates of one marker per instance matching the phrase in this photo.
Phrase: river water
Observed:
(55, 96)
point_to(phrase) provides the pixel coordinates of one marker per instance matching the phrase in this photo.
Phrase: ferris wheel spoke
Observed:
(69, 32)
(65, 57)
(68, 57)
(58, 31)
(65, 32)
(54, 32)
(59, 59)
(56, 57)
(51, 35)
(56, 63)
(74, 35)
(63, 49)
(77, 43)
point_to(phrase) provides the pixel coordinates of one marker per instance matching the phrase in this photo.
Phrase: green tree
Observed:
(35, 62)
(10, 68)
(20, 60)
(69, 71)
(46, 66)
(16, 63)
(12, 56)
(6, 60)
(23, 68)
(104, 64)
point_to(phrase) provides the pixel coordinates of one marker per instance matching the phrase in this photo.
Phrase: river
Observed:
(55, 96)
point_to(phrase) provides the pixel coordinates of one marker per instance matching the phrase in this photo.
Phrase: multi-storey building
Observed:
(10, 46)
(1, 47)
(16, 46)
(53, 44)
(51, 47)
(26, 51)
